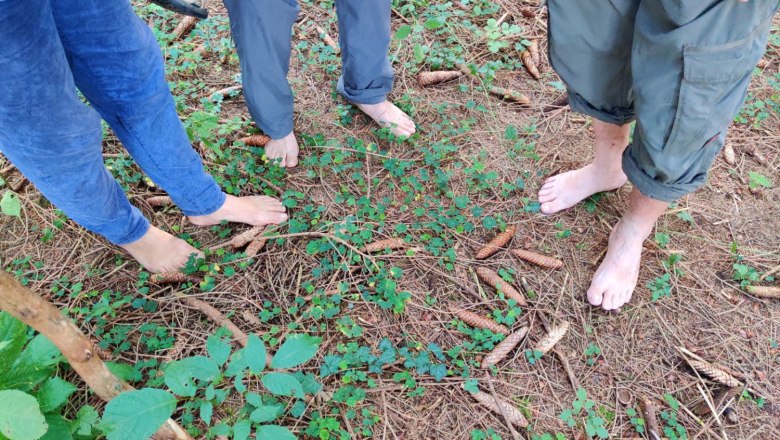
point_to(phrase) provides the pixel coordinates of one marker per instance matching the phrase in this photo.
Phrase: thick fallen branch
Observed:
(42, 316)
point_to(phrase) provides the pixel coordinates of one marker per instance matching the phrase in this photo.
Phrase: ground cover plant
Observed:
(312, 330)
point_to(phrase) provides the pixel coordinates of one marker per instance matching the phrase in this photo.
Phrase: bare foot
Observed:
(567, 189)
(284, 149)
(252, 210)
(386, 114)
(615, 279)
(159, 251)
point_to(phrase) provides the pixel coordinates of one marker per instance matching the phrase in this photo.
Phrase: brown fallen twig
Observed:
(327, 39)
(42, 316)
(649, 415)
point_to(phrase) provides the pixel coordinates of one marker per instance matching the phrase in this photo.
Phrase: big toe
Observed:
(596, 295)
(273, 218)
(549, 208)
(291, 160)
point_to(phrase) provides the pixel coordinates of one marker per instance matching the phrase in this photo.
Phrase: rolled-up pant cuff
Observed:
(140, 229)
(616, 116)
(652, 188)
(366, 96)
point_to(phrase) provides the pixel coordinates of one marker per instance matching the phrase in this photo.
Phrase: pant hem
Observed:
(580, 105)
(135, 235)
(650, 187)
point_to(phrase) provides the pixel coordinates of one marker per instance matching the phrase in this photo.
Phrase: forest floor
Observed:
(474, 168)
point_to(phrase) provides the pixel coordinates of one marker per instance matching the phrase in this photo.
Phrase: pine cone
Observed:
(497, 243)
(258, 140)
(514, 416)
(504, 347)
(184, 27)
(528, 61)
(494, 280)
(728, 154)
(538, 259)
(714, 373)
(390, 243)
(172, 278)
(765, 291)
(476, 320)
(437, 77)
(245, 237)
(533, 49)
(255, 246)
(550, 339)
(510, 95)
(159, 201)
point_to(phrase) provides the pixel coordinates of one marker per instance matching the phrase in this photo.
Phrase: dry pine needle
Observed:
(538, 259)
(514, 416)
(389, 243)
(549, 340)
(504, 347)
(476, 320)
(437, 77)
(497, 243)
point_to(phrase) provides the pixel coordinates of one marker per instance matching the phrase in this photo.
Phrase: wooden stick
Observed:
(42, 316)
(651, 421)
(500, 407)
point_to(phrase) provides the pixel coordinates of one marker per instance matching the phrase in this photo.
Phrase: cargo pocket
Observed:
(714, 83)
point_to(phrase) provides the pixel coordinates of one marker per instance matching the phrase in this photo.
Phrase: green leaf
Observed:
(59, 428)
(136, 415)
(757, 179)
(403, 32)
(34, 365)
(266, 413)
(218, 348)
(54, 394)
(20, 416)
(206, 411)
(242, 429)
(432, 24)
(295, 350)
(13, 335)
(179, 375)
(86, 419)
(283, 384)
(10, 204)
(120, 370)
(255, 354)
(275, 432)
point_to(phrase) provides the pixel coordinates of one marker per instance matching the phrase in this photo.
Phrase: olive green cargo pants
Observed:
(680, 68)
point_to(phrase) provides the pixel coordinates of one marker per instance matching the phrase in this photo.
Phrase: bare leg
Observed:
(284, 149)
(386, 114)
(615, 279)
(605, 173)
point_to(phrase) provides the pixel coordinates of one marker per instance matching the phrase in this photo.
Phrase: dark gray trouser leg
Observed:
(364, 37)
(692, 64)
(686, 75)
(590, 49)
(262, 31)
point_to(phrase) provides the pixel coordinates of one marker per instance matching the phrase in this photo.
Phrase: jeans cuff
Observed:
(616, 116)
(210, 207)
(665, 192)
(138, 231)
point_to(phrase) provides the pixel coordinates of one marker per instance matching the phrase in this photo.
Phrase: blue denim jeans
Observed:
(48, 49)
